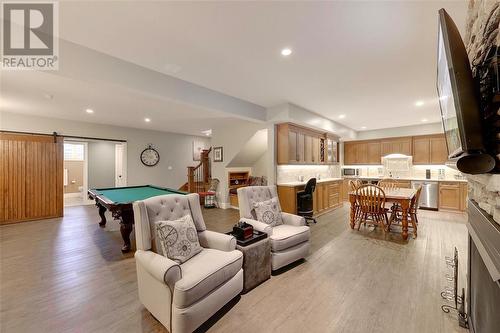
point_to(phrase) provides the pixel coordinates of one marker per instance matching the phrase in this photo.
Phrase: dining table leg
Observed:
(405, 205)
(352, 200)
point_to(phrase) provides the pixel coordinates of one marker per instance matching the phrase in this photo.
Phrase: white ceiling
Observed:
(368, 60)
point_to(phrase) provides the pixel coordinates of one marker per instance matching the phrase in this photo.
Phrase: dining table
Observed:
(401, 196)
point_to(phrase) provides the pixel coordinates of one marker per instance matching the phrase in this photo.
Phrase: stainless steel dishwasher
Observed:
(430, 194)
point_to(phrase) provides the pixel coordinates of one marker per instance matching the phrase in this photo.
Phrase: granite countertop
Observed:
(411, 179)
(299, 183)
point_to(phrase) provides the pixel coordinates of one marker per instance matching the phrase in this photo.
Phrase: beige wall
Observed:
(75, 173)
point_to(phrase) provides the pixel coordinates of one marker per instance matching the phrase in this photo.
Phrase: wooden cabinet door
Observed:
(308, 148)
(362, 153)
(421, 150)
(349, 153)
(463, 196)
(449, 196)
(325, 196)
(334, 194)
(404, 146)
(396, 146)
(292, 146)
(373, 153)
(300, 147)
(438, 150)
(315, 150)
(386, 147)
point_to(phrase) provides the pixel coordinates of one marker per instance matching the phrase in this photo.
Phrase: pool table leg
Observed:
(127, 220)
(102, 210)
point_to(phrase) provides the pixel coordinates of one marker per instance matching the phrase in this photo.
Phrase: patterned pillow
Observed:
(268, 212)
(178, 239)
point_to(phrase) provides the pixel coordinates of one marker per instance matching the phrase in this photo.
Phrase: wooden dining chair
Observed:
(412, 211)
(371, 201)
(390, 184)
(353, 186)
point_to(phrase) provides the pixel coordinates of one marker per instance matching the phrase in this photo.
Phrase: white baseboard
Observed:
(226, 205)
(73, 195)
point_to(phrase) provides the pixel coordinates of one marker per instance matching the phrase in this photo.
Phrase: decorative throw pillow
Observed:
(178, 239)
(268, 212)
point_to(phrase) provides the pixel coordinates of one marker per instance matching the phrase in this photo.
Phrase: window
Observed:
(74, 152)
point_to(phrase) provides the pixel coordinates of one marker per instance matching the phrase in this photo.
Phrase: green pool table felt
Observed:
(129, 194)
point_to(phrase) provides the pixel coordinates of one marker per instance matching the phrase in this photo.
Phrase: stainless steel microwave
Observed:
(350, 172)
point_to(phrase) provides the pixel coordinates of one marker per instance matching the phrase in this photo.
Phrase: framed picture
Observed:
(198, 146)
(218, 154)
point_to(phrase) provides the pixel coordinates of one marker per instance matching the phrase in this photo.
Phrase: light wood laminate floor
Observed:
(68, 275)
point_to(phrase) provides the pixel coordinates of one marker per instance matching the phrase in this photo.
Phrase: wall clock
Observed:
(150, 156)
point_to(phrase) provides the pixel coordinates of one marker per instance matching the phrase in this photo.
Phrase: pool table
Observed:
(118, 200)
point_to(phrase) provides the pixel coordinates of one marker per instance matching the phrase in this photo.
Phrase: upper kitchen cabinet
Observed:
(300, 145)
(362, 152)
(430, 149)
(396, 146)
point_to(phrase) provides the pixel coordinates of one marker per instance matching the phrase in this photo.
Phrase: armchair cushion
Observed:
(268, 212)
(292, 219)
(217, 240)
(203, 273)
(178, 238)
(160, 267)
(285, 236)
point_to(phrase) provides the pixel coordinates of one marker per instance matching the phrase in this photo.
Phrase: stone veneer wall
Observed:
(482, 34)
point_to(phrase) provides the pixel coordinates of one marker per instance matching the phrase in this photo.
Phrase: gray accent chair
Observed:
(289, 241)
(183, 296)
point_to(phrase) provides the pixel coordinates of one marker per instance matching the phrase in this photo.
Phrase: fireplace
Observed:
(483, 271)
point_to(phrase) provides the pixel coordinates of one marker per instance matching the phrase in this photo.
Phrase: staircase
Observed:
(199, 176)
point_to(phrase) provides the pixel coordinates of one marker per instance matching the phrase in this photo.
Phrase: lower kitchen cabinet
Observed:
(452, 196)
(327, 196)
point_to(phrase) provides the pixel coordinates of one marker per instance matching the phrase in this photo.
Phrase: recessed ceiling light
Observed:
(419, 103)
(207, 132)
(147, 120)
(363, 127)
(424, 120)
(286, 52)
(89, 111)
(342, 116)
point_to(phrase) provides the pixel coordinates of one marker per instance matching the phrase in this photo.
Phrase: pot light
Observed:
(147, 120)
(286, 52)
(419, 103)
(424, 120)
(89, 111)
(207, 132)
(363, 127)
(342, 116)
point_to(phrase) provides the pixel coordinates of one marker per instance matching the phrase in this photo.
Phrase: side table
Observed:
(256, 261)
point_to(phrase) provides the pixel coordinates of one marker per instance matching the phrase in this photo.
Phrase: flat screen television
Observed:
(459, 102)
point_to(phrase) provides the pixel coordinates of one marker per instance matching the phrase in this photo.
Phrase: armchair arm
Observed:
(259, 226)
(292, 219)
(160, 267)
(217, 240)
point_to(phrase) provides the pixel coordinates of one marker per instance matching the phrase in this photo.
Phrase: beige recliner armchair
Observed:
(183, 296)
(289, 241)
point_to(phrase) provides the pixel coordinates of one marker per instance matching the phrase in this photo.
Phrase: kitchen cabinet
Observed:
(429, 149)
(374, 153)
(300, 145)
(396, 146)
(362, 152)
(449, 196)
(327, 196)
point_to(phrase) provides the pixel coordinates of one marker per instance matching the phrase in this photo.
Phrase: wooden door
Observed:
(308, 148)
(31, 177)
(361, 153)
(315, 150)
(421, 150)
(293, 154)
(300, 147)
(404, 146)
(349, 153)
(438, 150)
(449, 196)
(374, 156)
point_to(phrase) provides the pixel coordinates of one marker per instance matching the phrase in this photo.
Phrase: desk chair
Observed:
(305, 201)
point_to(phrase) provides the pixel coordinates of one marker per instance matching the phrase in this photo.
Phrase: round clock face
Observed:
(150, 157)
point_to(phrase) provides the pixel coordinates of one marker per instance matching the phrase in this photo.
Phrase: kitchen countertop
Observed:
(298, 183)
(410, 178)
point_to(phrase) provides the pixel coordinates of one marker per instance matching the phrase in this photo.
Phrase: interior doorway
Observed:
(75, 173)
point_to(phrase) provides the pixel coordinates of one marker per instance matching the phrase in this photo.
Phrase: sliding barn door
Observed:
(31, 177)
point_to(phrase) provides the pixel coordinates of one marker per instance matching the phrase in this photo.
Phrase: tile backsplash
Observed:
(416, 171)
(292, 173)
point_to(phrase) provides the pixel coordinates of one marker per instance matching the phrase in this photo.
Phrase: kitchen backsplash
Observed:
(292, 173)
(416, 171)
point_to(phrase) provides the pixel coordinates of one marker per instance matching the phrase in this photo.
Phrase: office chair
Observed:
(305, 201)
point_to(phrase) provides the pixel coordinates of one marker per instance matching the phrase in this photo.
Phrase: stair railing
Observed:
(199, 176)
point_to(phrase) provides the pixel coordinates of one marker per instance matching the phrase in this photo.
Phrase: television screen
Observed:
(446, 100)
